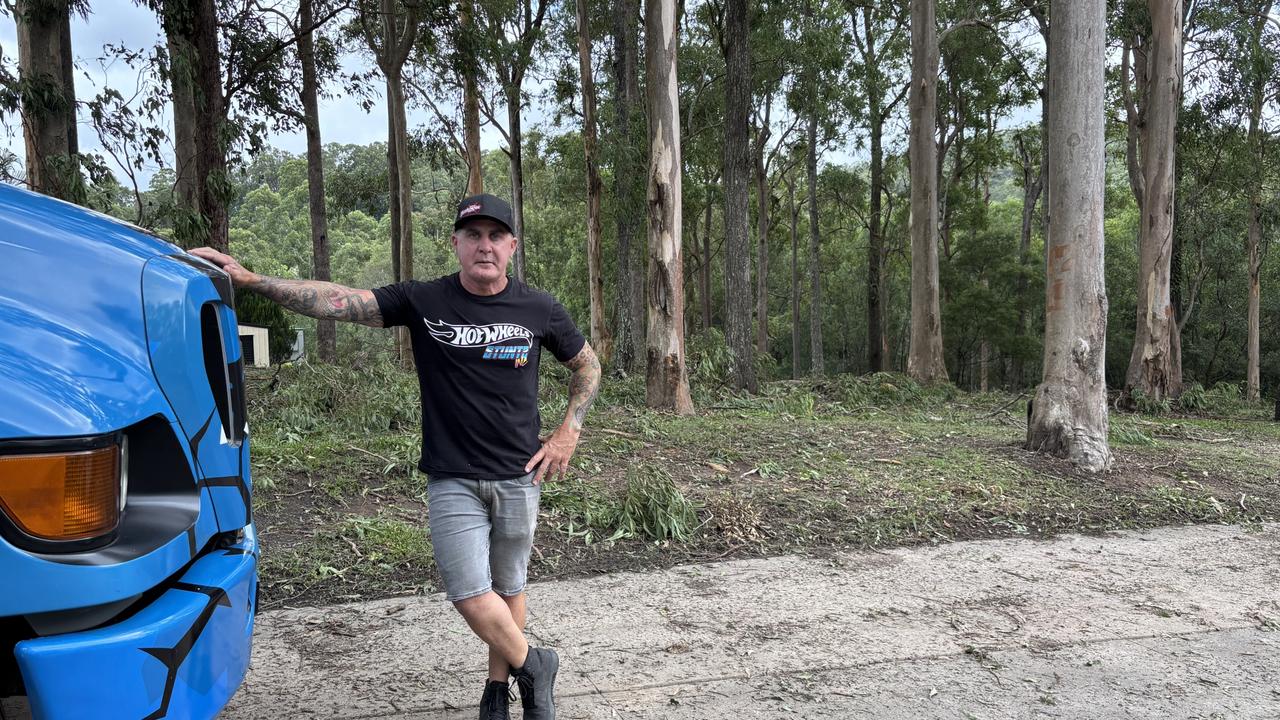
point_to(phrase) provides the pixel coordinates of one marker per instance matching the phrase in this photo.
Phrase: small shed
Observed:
(255, 346)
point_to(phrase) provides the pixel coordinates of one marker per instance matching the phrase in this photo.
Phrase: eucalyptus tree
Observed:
(772, 134)
(925, 362)
(666, 380)
(390, 28)
(735, 44)
(879, 35)
(1069, 414)
(600, 337)
(628, 163)
(511, 32)
(44, 94)
(200, 117)
(817, 95)
(1152, 56)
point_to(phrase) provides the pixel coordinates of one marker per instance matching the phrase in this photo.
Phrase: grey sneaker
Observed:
(496, 702)
(537, 680)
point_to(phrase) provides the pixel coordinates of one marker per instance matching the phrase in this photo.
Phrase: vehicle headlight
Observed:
(61, 496)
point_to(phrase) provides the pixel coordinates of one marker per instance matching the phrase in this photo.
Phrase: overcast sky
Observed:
(121, 22)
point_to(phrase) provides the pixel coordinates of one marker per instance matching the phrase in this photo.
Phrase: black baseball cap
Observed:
(484, 206)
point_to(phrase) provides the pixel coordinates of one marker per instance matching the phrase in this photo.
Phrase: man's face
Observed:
(483, 247)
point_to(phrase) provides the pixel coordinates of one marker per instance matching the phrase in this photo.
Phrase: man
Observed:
(476, 336)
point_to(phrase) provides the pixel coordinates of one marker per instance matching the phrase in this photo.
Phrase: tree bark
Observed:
(737, 170)
(763, 199)
(601, 341)
(666, 379)
(470, 105)
(877, 344)
(925, 360)
(326, 342)
(47, 69)
(1155, 364)
(705, 271)
(1069, 415)
(629, 185)
(1253, 241)
(211, 113)
(817, 363)
(182, 62)
(794, 211)
(393, 191)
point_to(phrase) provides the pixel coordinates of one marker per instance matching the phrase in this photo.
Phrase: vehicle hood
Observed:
(73, 349)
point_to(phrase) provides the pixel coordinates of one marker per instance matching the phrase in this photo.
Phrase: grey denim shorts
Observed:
(482, 532)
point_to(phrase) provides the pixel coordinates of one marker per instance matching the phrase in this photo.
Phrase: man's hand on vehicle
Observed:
(239, 275)
(553, 458)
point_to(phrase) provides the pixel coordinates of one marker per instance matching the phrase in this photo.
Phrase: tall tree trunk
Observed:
(47, 69)
(393, 191)
(470, 104)
(404, 197)
(817, 363)
(1155, 365)
(794, 210)
(629, 185)
(705, 271)
(1253, 247)
(666, 380)
(1069, 414)
(925, 361)
(764, 198)
(326, 343)
(517, 177)
(877, 344)
(182, 60)
(391, 51)
(737, 170)
(600, 338)
(211, 114)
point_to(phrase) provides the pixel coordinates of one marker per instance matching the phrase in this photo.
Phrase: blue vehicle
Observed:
(128, 557)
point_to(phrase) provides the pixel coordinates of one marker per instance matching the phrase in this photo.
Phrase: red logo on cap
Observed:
(470, 209)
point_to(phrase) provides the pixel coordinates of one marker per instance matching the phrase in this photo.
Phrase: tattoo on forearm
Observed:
(583, 386)
(323, 300)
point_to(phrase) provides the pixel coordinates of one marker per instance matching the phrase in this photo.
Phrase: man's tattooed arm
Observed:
(319, 299)
(583, 385)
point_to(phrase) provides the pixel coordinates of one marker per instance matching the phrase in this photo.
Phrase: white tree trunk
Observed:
(925, 360)
(666, 379)
(1155, 365)
(1069, 415)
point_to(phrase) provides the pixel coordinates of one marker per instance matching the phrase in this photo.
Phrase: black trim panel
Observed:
(173, 657)
(221, 281)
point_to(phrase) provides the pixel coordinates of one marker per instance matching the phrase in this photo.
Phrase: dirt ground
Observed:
(342, 516)
(1176, 622)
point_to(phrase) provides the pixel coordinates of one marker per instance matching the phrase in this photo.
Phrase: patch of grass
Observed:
(373, 555)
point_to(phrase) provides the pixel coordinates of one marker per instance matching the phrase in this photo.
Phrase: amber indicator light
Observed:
(62, 496)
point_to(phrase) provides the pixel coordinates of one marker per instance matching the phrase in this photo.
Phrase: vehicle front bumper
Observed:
(181, 656)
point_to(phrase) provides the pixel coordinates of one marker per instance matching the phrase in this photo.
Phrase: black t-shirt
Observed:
(477, 358)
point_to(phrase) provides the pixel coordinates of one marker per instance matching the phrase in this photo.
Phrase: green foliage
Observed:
(1193, 398)
(1147, 405)
(654, 508)
(1225, 398)
(708, 358)
(308, 399)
